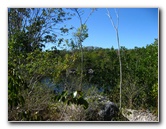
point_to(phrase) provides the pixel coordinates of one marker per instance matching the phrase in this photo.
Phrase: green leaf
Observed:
(83, 102)
(75, 94)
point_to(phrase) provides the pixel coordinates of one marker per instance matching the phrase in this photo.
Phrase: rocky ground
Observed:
(99, 109)
(139, 115)
(104, 109)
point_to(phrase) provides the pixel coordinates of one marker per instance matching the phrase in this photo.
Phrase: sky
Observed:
(137, 27)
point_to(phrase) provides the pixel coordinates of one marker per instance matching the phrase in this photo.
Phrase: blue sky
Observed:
(137, 27)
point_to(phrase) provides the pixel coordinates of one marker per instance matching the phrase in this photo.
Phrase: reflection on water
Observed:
(59, 88)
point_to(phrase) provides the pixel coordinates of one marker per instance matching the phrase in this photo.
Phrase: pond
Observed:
(59, 88)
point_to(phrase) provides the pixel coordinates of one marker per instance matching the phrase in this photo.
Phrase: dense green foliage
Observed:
(28, 65)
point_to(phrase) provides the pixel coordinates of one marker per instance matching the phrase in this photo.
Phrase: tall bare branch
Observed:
(117, 36)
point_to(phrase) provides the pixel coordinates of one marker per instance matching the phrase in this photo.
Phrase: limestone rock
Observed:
(101, 109)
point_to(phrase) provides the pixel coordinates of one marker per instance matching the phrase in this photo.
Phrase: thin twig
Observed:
(89, 15)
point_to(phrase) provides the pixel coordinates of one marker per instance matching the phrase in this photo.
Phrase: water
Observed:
(59, 88)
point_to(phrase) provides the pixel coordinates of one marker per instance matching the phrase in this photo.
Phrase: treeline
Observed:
(139, 69)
